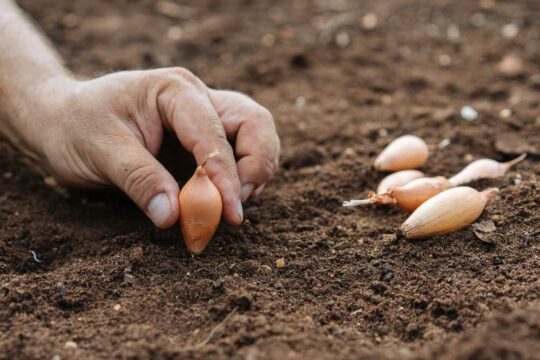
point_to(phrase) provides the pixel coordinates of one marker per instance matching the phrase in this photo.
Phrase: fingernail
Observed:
(245, 191)
(239, 210)
(159, 209)
(259, 190)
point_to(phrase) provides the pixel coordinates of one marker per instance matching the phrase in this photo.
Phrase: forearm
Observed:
(28, 67)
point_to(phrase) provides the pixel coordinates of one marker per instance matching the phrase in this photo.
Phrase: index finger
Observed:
(198, 128)
(257, 146)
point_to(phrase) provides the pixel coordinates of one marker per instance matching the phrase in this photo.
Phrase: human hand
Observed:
(109, 130)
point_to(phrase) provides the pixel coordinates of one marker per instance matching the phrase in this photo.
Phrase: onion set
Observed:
(200, 209)
(484, 168)
(409, 196)
(438, 205)
(405, 152)
(448, 211)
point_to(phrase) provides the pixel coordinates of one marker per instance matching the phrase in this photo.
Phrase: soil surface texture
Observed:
(342, 78)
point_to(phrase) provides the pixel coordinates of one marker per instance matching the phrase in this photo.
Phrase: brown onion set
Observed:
(200, 209)
(438, 205)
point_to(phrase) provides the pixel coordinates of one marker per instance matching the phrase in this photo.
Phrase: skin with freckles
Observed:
(108, 130)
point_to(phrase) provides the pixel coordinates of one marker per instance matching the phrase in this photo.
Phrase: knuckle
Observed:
(185, 76)
(149, 78)
(261, 114)
(140, 178)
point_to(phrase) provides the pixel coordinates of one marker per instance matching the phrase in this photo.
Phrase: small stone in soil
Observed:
(504, 113)
(70, 345)
(50, 181)
(510, 30)
(265, 269)
(370, 21)
(444, 143)
(468, 113)
(280, 263)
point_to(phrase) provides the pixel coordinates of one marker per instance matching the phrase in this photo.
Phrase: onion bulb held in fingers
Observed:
(405, 152)
(484, 168)
(200, 209)
(409, 196)
(448, 211)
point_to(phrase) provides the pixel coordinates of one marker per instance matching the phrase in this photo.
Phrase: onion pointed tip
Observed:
(490, 193)
(515, 161)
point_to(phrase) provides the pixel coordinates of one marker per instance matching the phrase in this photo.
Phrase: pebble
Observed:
(504, 113)
(370, 21)
(510, 31)
(265, 269)
(445, 60)
(349, 152)
(50, 181)
(268, 40)
(468, 113)
(511, 65)
(117, 307)
(300, 102)
(70, 345)
(444, 143)
(280, 263)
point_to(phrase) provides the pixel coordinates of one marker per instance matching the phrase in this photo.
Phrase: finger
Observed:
(198, 128)
(257, 144)
(133, 169)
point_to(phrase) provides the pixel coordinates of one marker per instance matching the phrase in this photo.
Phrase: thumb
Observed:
(136, 172)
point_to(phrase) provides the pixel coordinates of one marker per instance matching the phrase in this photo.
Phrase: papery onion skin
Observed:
(482, 169)
(200, 211)
(415, 193)
(405, 152)
(446, 212)
(398, 179)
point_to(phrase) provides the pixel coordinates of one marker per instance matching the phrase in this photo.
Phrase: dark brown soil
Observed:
(109, 285)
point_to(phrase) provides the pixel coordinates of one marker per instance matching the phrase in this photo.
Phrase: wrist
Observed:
(31, 115)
